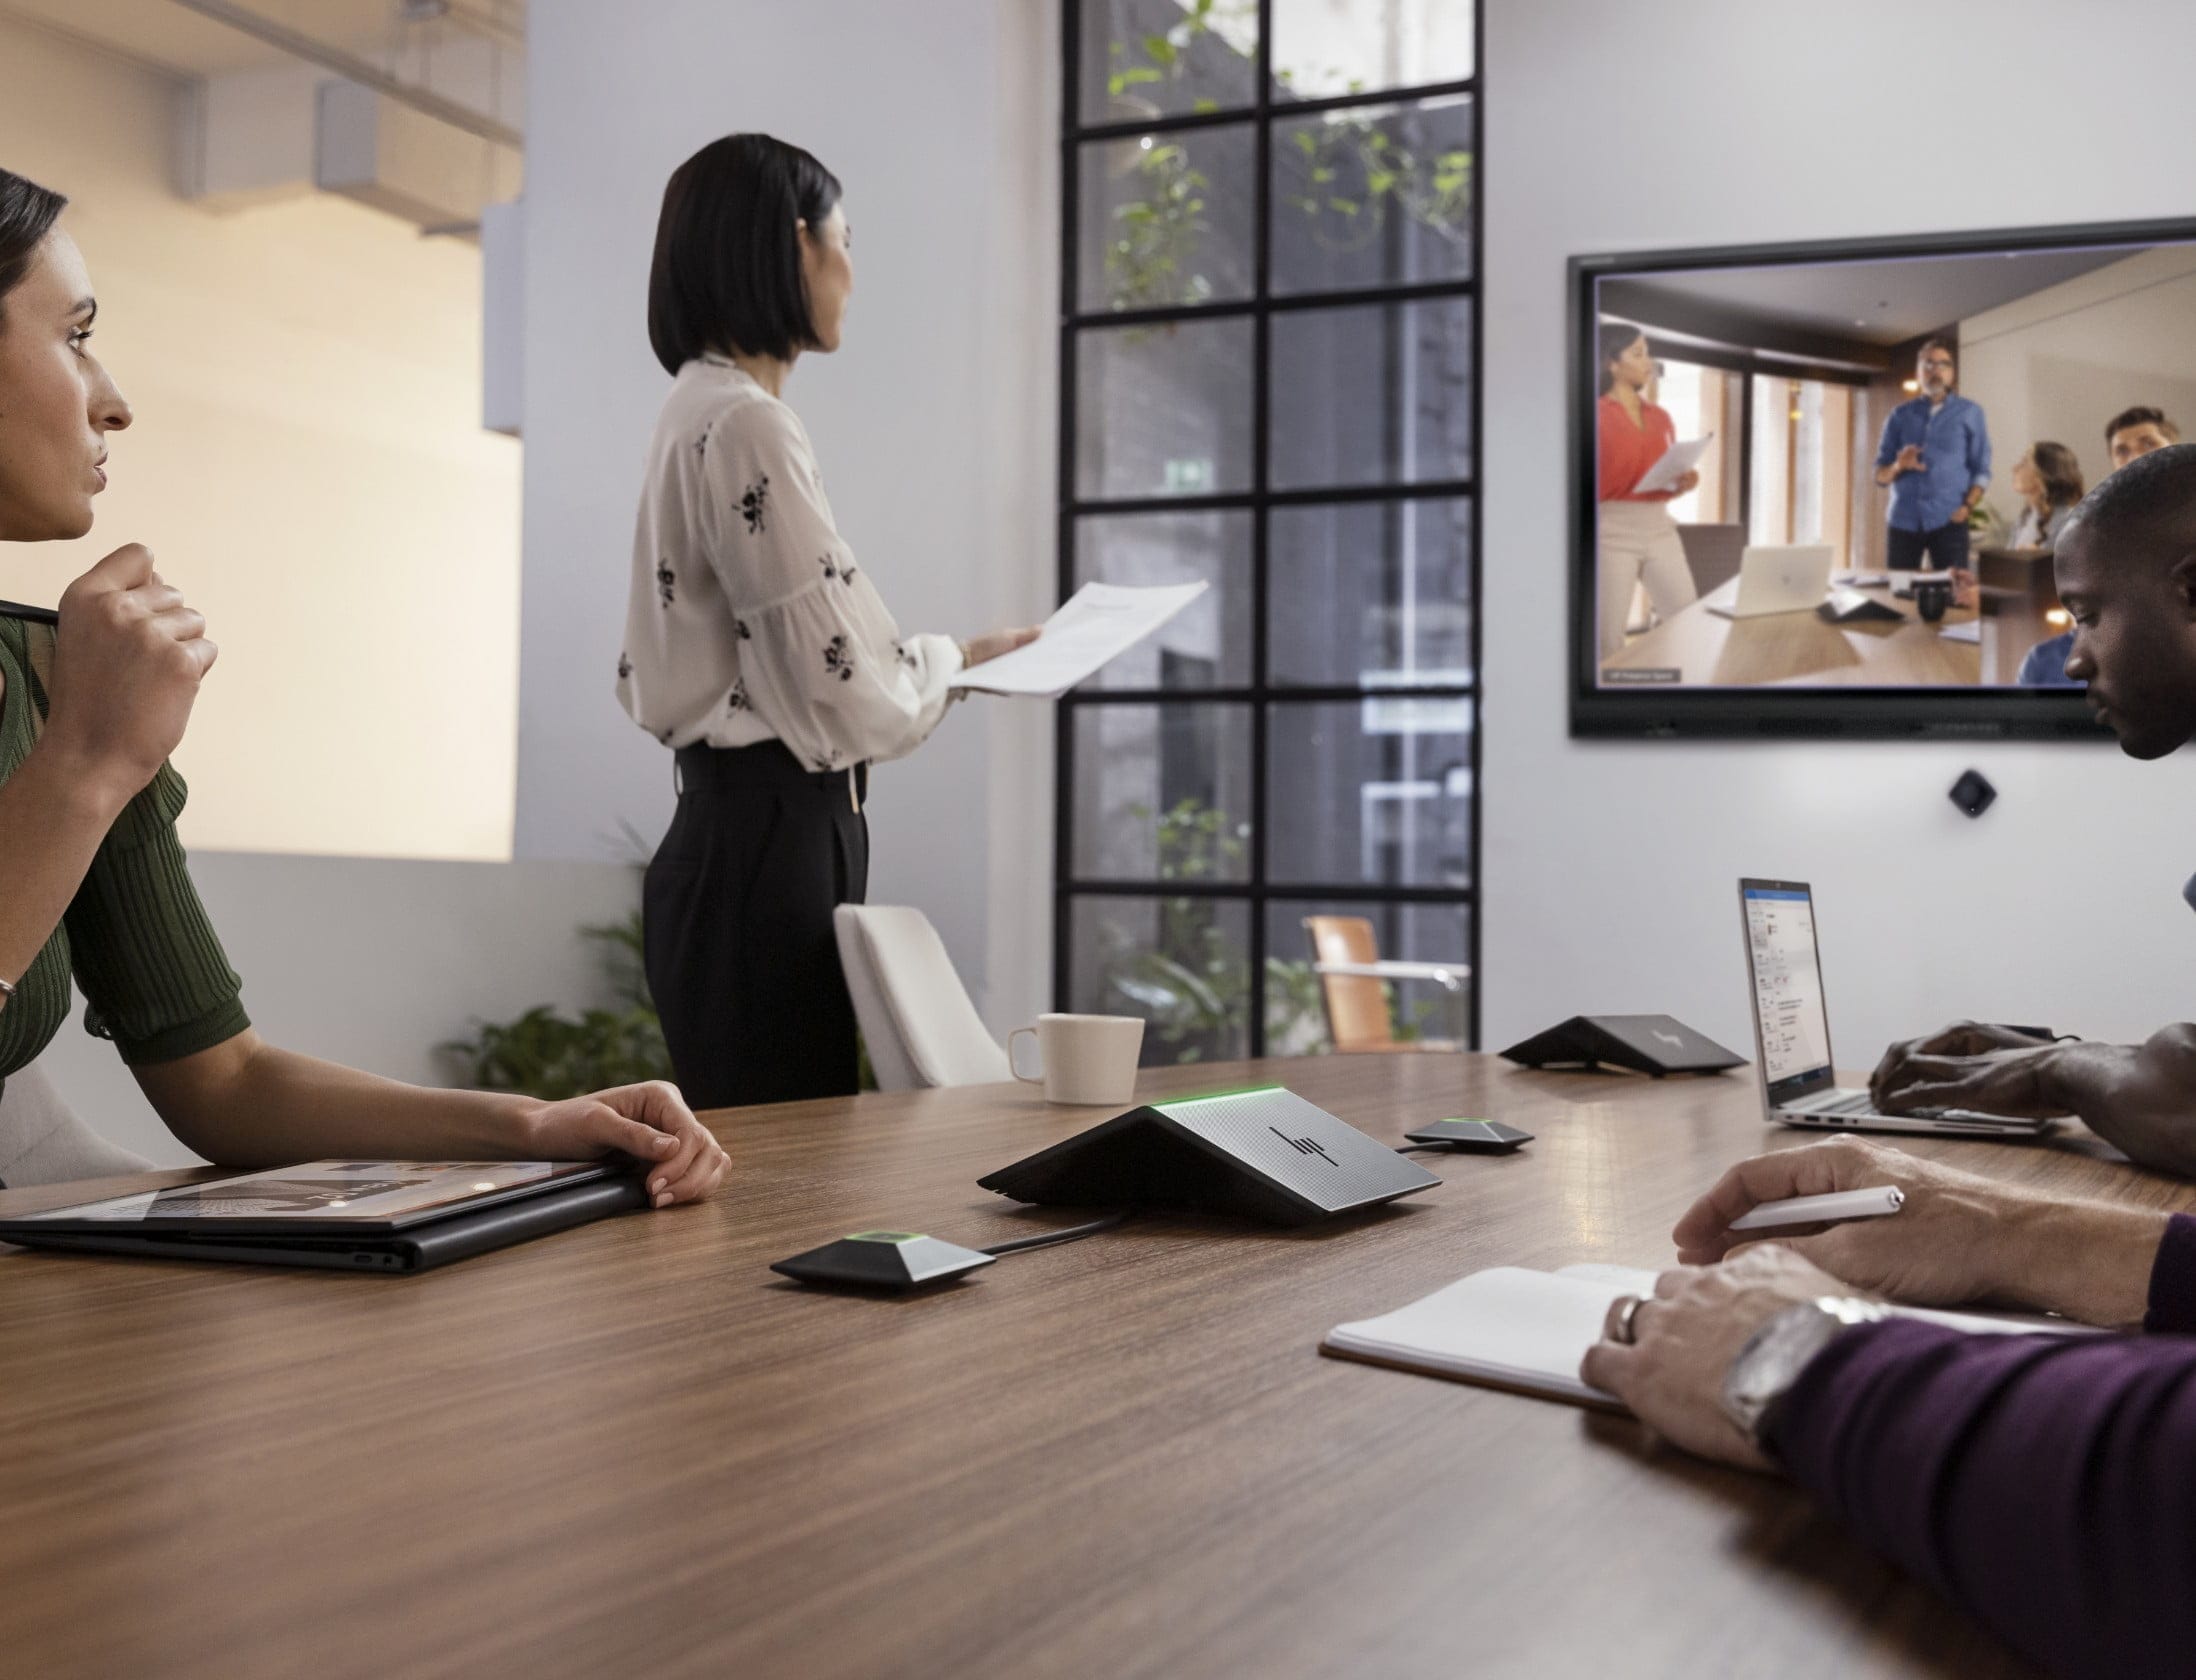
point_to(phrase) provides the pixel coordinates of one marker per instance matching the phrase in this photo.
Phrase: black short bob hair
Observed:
(727, 272)
(27, 214)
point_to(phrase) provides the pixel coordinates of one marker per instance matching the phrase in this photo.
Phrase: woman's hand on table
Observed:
(649, 1122)
(977, 649)
(1958, 1237)
(1683, 1339)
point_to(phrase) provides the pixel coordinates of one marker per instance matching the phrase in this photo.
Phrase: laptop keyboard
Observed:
(1844, 1102)
(1835, 1102)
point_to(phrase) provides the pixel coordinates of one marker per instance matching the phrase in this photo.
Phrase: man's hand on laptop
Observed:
(1970, 1064)
(1958, 1239)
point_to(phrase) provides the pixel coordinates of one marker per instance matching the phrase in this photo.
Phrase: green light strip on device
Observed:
(1213, 1096)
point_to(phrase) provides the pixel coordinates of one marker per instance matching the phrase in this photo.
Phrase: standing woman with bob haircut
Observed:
(755, 647)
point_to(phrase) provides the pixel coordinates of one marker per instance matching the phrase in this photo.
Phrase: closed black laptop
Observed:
(351, 1216)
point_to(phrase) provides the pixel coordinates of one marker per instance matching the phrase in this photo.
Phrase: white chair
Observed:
(43, 1142)
(916, 1018)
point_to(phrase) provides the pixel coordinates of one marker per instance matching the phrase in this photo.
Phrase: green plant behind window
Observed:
(1156, 233)
(1357, 171)
(1192, 983)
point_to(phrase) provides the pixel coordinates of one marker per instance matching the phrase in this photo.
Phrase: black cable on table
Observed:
(1067, 1233)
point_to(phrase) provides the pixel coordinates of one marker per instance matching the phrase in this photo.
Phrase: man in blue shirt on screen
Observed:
(1935, 456)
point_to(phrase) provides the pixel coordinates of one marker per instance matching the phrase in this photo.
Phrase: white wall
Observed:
(308, 464)
(370, 962)
(2061, 362)
(1610, 866)
(933, 423)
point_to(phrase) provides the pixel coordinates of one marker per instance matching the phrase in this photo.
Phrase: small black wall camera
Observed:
(1973, 793)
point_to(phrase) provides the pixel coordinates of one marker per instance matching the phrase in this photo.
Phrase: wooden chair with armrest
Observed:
(1354, 981)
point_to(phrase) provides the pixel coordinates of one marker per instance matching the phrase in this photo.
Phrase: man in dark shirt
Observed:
(2126, 569)
(2045, 1483)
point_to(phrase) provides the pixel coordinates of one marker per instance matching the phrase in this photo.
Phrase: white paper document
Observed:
(1097, 624)
(1677, 460)
(1526, 1330)
(1971, 631)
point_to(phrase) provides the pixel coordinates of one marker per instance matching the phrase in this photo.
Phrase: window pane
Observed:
(1162, 793)
(1163, 410)
(1418, 1009)
(1371, 791)
(1154, 58)
(1373, 196)
(1327, 47)
(1375, 594)
(1166, 219)
(1183, 964)
(1205, 645)
(1372, 395)
(1703, 402)
(1769, 493)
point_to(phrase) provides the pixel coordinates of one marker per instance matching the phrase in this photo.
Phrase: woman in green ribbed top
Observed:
(92, 877)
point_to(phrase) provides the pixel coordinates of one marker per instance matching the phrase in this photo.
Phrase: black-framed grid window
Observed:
(1269, 365)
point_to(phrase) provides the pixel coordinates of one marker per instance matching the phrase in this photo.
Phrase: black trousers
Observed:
(736, 926)
(1946, 545)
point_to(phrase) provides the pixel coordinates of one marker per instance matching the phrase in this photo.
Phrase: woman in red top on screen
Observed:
(1638, 540)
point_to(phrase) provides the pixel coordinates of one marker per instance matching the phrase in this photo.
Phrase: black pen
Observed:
(30, 615)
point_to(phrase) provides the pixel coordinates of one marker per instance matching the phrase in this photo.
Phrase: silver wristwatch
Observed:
(1769, 1364)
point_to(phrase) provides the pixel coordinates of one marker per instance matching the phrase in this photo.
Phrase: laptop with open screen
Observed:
(1779, 578)
(1792, 1030)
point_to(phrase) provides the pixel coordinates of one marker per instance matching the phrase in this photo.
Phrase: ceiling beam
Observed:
(354, 68)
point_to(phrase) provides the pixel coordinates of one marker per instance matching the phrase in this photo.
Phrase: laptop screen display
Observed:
(323, 1193)
(1789, 1017)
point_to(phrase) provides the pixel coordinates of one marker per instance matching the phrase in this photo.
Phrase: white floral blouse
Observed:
(748, 619)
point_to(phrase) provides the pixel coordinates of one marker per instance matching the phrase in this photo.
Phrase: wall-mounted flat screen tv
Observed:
(1816, 487)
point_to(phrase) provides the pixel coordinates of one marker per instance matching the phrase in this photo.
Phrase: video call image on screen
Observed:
(1795, 1028)
(1850, 474)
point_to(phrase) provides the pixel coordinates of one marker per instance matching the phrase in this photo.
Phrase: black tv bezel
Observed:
(1756, 713)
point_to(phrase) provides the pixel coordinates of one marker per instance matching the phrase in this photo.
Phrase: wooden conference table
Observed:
(1704, 647)
(630, 1450)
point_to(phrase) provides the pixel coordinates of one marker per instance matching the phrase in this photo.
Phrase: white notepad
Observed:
(1519, 1329)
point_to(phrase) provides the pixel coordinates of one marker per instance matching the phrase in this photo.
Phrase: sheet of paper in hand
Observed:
(1097, 624)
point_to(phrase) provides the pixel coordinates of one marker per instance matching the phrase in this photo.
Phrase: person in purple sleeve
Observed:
(2046, 1484)
(2126, 570)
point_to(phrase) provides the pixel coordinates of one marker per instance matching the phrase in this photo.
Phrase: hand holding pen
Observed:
(1957, 1238)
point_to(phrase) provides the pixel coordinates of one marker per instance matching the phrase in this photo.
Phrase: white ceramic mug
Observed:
(1087, 1058)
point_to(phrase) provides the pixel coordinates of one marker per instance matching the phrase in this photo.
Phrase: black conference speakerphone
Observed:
(1476, 1137)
